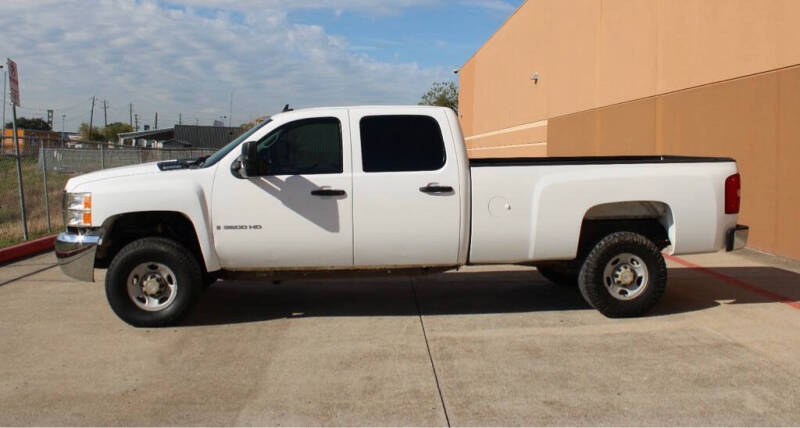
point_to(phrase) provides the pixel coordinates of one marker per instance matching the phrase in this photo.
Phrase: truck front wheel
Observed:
(623, 276)
(153, 282)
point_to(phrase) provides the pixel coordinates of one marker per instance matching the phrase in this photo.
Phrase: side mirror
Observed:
(247, 164)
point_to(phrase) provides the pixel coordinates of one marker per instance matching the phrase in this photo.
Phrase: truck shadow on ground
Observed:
(230, 302)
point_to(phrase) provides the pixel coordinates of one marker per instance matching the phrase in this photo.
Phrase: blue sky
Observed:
(446, 34)
(186, 57)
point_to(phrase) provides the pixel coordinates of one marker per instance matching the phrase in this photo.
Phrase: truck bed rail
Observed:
(594, 160)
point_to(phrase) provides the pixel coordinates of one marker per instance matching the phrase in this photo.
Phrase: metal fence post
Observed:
(19, 175)
(44, 176)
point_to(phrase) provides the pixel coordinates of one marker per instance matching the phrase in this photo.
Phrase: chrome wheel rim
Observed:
(152, 286)
(625, 276)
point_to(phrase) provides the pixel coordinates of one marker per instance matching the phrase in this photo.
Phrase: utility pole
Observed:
(3, 125)
(196, 122)
(19, 166)
(63, 120)
(230, 111)
(19, 173)
(155, 122)
(180, 118)
(105, 114)
(136, 121)
(130, 106)
(91, 119)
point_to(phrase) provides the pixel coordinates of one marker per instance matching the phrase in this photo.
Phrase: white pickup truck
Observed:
(361, 190)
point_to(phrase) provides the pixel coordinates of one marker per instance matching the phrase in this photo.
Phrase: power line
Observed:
(166, 117)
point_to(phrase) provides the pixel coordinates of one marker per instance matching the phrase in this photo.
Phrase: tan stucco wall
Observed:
(754, 119)
(692, 77)
(594, 53)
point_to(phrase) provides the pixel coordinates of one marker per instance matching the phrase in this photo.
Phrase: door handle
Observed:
(435, 188)
(328, 192)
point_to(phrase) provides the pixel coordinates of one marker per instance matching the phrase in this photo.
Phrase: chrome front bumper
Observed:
(736, 238)
(75, 253)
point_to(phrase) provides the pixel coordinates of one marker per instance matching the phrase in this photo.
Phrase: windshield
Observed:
(219, 154)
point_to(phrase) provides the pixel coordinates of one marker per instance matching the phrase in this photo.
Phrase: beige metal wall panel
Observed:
(621, 129)
(516, 151)
(705, 41)
(573, 135)
(567, 61)
(525, 140)
(466, 98)
(787, 207)
(524, 134)
(788, 32)
(638, 119)
(627, 57)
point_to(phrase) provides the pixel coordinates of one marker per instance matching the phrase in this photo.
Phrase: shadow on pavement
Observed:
(229, 302)
(691, 290)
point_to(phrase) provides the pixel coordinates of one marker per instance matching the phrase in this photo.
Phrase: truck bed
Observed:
(532, 209)
(594, 160)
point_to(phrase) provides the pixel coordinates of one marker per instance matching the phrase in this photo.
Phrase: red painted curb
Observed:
(737, 282)
(26, 249)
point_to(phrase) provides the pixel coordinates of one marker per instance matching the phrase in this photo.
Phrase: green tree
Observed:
(25, 123)
(247, 125)
(112, 131)
(442, 94)
(96, 135)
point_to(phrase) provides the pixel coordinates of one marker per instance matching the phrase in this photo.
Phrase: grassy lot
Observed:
(32, 181)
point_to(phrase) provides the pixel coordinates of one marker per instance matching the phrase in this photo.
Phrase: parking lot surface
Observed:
(481, 346)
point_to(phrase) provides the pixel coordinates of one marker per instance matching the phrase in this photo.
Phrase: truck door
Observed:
(300, 213)
(406, 191)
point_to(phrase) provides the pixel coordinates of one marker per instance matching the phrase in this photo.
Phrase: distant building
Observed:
(29, 139)
(175, 144)
(147, 138)
(208, 137)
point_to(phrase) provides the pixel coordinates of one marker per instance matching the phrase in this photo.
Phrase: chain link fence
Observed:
(45, 166)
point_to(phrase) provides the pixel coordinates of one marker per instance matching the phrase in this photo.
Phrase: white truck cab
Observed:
(389, 189)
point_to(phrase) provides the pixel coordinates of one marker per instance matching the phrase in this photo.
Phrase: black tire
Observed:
(592, 281)
(559, 273)
(188, 280)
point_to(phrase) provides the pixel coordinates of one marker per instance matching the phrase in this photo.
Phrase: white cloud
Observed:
(371, 7)
(496, 5)
(189, 60)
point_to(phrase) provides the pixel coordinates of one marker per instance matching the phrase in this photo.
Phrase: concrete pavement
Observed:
(506, 348)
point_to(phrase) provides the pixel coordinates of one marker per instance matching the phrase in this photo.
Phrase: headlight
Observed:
(78, 209)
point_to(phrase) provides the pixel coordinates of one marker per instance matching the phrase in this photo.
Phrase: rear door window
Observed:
(401, 143)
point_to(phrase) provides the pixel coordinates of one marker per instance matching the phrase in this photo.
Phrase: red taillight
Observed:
(733, 194)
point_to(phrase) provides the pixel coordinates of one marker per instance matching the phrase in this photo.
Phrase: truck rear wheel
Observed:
(153, 282)
(623, 276)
